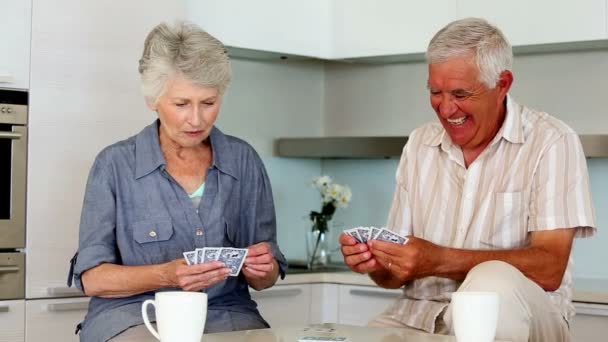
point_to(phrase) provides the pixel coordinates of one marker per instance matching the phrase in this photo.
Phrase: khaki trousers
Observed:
(526, 313)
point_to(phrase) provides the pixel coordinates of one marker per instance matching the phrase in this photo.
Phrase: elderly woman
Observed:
(178, 185)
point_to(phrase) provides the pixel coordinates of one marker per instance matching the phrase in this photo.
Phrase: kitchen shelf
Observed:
(595, 146)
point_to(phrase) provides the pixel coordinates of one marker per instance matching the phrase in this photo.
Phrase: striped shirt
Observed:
(531, 177)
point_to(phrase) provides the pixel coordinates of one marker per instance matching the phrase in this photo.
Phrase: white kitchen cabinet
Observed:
(54, 320)
(15, 37)
(360, 304)
(590, 322)
(283, 305)
(292, 27)
(361, 28)
(544, 21)
(12, 321)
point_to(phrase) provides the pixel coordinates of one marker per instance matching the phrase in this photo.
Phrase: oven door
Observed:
(13, 152)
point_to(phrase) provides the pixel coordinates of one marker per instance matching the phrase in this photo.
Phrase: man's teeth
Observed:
(458, 121)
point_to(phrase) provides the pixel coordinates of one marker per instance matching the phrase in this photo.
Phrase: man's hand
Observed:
(416, 259)
(357, 256)
(195, 277)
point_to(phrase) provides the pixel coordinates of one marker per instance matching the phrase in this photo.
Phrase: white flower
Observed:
(345, 197)
(322, 182)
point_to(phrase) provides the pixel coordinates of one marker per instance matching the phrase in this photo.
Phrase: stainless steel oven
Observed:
(13, 163)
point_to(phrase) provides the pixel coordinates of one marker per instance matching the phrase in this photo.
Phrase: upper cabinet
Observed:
(543, 21)
(291, 27)
(15, 32)
(345, 29)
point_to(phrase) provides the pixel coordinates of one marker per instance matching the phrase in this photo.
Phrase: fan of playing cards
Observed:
(364, 234)
(233, 258)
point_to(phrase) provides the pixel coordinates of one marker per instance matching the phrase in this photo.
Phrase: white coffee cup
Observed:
(475, 315)
(180, 316)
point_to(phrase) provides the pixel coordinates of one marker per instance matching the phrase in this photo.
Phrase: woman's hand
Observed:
(195, 277)
(261, 268)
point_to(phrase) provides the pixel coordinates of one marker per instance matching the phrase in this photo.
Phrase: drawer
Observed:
(12, 321)
(274, 302)
(360, 304)
(54, 320)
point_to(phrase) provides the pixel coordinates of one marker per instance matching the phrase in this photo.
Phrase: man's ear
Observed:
(151, 104)
(504, 83)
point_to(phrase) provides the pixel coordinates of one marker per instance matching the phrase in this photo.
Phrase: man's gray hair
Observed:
(491, 50)
(183, 49)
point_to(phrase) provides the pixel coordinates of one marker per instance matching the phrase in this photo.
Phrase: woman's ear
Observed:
(151, 104)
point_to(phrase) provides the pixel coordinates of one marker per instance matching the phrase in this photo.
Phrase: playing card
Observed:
(373, 232)
(190, 257)
(353, 232)
(363, 233)
(387, 235)
(323, 339)
(210, 254)
(233, 258)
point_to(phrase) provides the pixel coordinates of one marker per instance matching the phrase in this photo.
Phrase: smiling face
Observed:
(186, 112)
(470, 112)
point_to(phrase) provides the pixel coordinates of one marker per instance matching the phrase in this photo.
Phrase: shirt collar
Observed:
(149, 157)
(511, 129)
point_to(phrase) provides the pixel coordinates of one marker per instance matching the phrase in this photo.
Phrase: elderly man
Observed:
(491, 199)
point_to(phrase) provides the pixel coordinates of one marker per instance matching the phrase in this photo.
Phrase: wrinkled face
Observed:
(187, 111)
(470, 112)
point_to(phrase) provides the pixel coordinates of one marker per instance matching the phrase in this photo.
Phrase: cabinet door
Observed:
(292, 27)
(284, 304)
(542, 21)
(360, 304)
(15, 37)
(12, 321)
(590, 322)
(54, 320)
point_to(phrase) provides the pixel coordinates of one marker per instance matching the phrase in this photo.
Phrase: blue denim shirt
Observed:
(129, 194)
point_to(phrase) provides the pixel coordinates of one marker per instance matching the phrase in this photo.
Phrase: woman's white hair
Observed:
(185, 50)
(491, 50)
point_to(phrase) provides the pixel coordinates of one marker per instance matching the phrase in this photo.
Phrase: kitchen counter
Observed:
(588, 290)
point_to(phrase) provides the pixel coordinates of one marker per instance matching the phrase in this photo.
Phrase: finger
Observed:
(347, 240)
(387, 247)
(205, 267)
(261, 267)
(252, 273)
(197, 286)
(367, 266)
(261, 259)
(356, 249)
(356, 259)
(259, 249)
(188, 280)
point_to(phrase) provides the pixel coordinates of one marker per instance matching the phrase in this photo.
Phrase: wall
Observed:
(393, 100)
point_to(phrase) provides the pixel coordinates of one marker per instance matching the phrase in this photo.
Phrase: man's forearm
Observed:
(456, 264)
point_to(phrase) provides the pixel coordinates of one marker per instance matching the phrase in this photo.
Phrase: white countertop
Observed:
(585, 289)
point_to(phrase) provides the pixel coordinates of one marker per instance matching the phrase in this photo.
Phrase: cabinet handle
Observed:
(6, 78)
(4, 308)
(64, 291)
(10, 135)
(277, 293)
(9, 269)
(62, 307)
(370, 293)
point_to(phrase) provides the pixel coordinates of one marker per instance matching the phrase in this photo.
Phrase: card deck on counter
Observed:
(233, 258)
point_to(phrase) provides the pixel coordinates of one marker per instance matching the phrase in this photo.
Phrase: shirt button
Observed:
(199, 232)
(152, 233)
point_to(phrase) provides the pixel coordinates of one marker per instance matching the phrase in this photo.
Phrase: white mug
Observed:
(475, 315)
(180, 316)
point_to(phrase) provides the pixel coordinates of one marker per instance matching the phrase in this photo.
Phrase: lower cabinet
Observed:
(590, 323)
(12, 320)
(283, 305)
(54, 320)
(357, 305)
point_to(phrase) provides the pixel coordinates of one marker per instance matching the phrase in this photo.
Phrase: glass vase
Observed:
(317, 248)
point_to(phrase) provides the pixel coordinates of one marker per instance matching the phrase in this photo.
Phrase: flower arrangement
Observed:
(333, 196)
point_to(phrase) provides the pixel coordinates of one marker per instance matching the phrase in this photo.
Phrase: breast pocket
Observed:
(152, 239)
(509, 226)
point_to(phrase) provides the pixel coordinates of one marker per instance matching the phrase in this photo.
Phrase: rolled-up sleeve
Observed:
(97, 240)
(262, 211)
